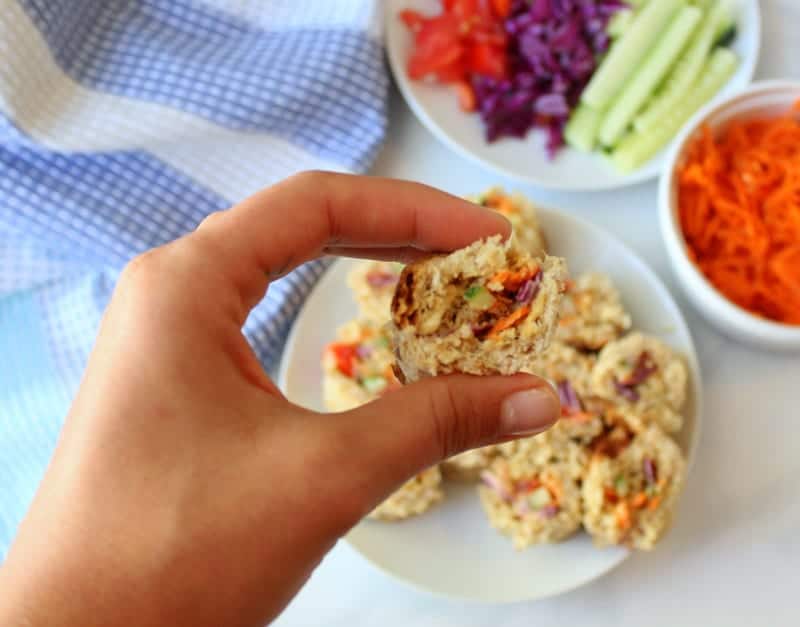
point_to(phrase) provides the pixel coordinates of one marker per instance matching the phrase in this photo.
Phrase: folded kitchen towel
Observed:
(124, 123)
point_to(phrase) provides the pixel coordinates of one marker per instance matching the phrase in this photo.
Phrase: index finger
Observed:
(294, 221)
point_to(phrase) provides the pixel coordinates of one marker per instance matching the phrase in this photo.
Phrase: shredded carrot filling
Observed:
(654, 503)
(581, 416)
(509, 321)
(554, 487)
(530, 485)
(566, 320)
(623, 516)
(739, 208)
(513, 280)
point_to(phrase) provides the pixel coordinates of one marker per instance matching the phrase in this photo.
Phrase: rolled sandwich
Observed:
(489, 308)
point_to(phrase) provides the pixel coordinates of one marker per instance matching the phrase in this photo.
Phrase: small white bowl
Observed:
(768, 98)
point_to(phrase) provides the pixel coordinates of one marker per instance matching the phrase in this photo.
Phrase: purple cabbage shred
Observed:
(549, 511)
(529, 289)
(627, 392)
(570, 403)
(649, 468)
(553, 48)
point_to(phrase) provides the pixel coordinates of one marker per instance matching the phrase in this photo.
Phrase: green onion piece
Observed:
(374, 385)
(478, 297)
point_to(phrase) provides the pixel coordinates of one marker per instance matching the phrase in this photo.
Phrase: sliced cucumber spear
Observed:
(727, 20)
(582, 128)
(644, 82)
(686, 70)
(637, 147)
(626, 54)
(620, 22)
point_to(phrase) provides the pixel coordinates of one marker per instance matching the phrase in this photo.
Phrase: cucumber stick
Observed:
(627, 52)
(685, 72)
(727, 19)
(620, 22)
(649, 75)
(582, 128)
(637, 148)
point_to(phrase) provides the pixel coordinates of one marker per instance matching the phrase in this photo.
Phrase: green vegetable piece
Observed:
(478, 297)
(539, 498)
(621, 485)
(644, 82)
(727, 21)
(374, 385)
(582, 128)
(627, 53)
(637, 148)
(685, 71)
(620, 22)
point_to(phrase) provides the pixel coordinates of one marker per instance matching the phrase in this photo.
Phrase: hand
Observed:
(185, 489)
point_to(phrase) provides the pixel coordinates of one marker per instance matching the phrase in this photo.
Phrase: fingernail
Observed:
(528, 412)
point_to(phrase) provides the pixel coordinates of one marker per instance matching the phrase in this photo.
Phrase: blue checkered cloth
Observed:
(123, 124)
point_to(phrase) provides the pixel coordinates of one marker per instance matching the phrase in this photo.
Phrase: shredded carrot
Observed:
(509, 321)
(739, 209)
(530, 485)
(511, 280)
(623, 516)
(581, 416)
(554, 488)
(654, 503)
(507, 206)
(639, 501)
(566, 320)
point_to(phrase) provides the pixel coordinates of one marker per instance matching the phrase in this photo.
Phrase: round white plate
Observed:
(451, 550)
(525, 160)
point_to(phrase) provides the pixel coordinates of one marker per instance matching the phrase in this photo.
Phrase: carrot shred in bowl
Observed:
(739, 209)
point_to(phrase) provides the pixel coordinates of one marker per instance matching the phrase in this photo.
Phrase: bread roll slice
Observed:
(489, 308)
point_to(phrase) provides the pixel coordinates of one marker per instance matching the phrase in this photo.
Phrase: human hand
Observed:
(185, 489)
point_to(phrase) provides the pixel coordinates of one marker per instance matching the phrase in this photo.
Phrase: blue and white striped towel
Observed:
(122, 124)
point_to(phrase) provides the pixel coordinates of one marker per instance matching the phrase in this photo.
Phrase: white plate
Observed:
(525, 160)
(451, 550)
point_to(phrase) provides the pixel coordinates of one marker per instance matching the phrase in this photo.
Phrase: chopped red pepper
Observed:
(466, 38)
(345, 355)
(501, 8)
(610, 494)
(466, 96)
(412, 19)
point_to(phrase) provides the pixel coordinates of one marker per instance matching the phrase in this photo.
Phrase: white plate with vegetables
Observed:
(615, 87)
(451, 550)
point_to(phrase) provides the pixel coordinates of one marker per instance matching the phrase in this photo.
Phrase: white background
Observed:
(733, 557)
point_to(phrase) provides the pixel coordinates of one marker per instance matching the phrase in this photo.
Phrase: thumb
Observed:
(424, 423)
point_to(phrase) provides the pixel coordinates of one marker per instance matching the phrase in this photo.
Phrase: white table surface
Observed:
(733, 558)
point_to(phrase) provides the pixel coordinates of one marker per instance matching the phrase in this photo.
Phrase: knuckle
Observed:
(211, 221)
(312, 179)
(141, 269)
